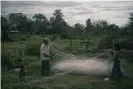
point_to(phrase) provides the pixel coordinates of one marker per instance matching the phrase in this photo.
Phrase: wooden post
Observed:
(16, 52)
(71, 44)
(87, 44)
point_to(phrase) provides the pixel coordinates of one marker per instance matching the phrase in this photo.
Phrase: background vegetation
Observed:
(91, 39)
(40, 24)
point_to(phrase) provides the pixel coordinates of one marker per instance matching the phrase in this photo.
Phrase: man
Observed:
(116, 58)
(45, 57)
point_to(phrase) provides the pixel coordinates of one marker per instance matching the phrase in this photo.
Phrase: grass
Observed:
(33, 80)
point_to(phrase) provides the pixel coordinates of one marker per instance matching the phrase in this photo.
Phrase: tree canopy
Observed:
(40, 24)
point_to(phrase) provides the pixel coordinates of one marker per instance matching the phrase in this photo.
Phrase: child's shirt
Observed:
(20, 66)
(116, 56)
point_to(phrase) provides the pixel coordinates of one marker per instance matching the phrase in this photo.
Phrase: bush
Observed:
(64, 36)
(54, 37)
(30, 59)
(22, 38)
(33, 49)
(7, 77)
(7, 59)
(33, 68)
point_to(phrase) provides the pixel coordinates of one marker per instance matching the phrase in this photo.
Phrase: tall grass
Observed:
(29, 51)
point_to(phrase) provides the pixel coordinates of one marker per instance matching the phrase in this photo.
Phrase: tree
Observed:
(20, 20)
(40, 17)
(79, 28)
(100, 27)
(128, 28)
(57, 21)
(4, 29)
(89, 27)
(88, 22)
(41, 23)
(51, 21)
(58, 15)
(131, 24)
(113, 29)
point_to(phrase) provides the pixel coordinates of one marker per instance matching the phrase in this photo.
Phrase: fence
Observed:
(86, 45)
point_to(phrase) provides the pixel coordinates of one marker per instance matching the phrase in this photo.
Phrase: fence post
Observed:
(71, 44)
(87, 44)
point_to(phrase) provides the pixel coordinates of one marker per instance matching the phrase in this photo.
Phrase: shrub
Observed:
(22, 38)
(7, 59)
(33, 68)
(15, 39)
(30, 59)
(33, 49)
(54, 37)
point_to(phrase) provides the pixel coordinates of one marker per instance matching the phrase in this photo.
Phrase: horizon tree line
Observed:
(40, 24)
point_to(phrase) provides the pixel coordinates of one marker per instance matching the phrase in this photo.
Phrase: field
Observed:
(29, 50)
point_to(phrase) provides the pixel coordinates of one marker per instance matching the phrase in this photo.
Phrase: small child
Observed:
(20, 69)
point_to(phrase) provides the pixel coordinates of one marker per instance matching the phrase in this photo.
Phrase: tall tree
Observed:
(20, 20)
(58, 15)
(131, 23)
(41, 23)
(4, 29)
(88, 27)
(40, 17)
(128, 28)
(100, 27)
(88, 22)
(58, 24)
(79, 28)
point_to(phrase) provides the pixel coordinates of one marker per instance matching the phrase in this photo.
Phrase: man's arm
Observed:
(114, 56)
(46, 55)
(52, 53)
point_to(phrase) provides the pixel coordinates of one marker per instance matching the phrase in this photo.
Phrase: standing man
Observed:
(45, 57)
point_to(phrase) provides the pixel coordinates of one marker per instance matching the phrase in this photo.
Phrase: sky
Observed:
(74, 12)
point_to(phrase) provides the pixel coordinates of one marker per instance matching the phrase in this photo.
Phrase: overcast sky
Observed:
(74, 12)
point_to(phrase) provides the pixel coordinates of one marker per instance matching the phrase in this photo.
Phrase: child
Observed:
(20, 69)
(116, 58)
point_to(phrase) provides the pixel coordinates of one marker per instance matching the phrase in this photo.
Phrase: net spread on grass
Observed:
(91, 66)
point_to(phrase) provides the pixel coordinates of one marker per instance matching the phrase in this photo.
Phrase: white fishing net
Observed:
(91, 66)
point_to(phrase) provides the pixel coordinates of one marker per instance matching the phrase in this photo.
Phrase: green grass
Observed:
(70, 81)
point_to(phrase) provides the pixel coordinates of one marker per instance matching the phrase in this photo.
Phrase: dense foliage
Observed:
(40, 24)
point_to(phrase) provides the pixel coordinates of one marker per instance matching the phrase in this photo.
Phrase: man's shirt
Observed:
(44, 49)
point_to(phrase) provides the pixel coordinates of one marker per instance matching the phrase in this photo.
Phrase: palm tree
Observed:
(88, 22)
(89, 27)
(58, 15)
